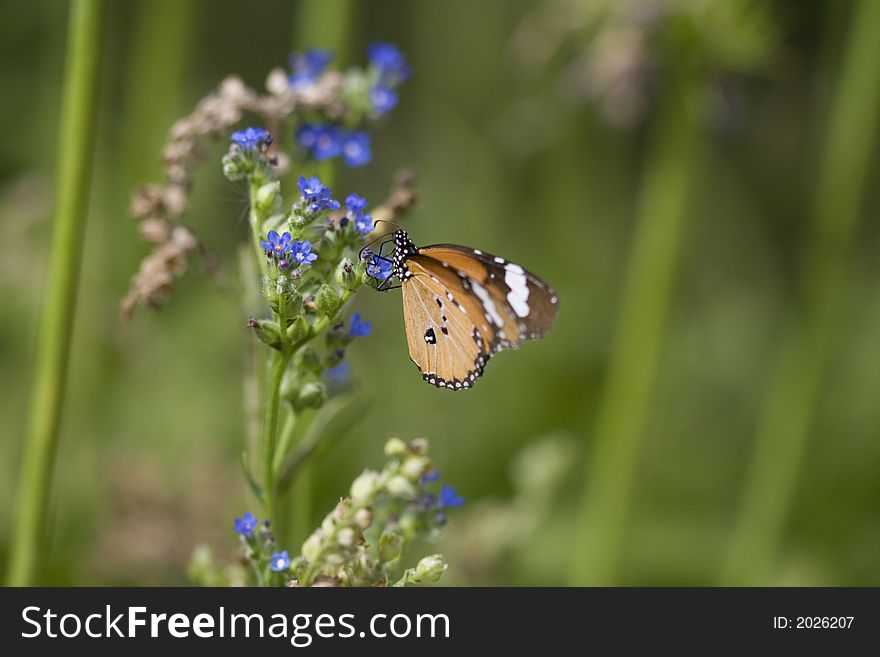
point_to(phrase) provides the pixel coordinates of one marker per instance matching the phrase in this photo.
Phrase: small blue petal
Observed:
(307, 67)
(431, 476)
(360, 328)
(389, 61)
(306, 135)
(328, 143)
(383, 99)
(363, 223)
(356, 150)
(449, 498)
(280, 561)
(354, 202)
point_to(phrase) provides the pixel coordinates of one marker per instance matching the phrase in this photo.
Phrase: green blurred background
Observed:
(696, 178)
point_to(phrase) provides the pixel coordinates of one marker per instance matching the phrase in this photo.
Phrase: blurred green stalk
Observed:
(75, 150)
(662, 207)
(326, 24)
(781, 439)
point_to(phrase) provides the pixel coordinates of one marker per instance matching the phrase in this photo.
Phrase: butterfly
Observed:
(461, 306)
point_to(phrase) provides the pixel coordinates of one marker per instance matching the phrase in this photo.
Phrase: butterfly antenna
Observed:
(367, 248)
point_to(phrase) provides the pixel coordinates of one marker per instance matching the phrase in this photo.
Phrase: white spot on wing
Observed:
(488, 304)
(518, 297)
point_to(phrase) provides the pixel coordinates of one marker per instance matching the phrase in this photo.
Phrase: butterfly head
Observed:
(403, 248)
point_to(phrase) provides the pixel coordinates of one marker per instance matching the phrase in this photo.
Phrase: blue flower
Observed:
(308, 66)
(379, 268)
(434, 475)
(280, 561)
(328, 142)
(359, 328)
(316, 195)
(307, 135)
(449, 498)
(338, 375)
(356, 149)
(389, 61)
(310, 187)
(251, 138)
(383, 99)
(363, 222)
(277, 245)
(354, 202)
(245, 525)
(301, 252)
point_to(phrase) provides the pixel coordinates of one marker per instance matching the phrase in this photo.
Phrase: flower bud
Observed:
(268, 198)
(233, 166)
(395, 447)
(400, 486)
(327, 300)
(418, 446)
(267, 331)
(390, 544)
(311, 395)
(345, 537)
(431, 568)
(346, 275)
(414, 467)
(364, 488)
(311, 549)
(298, 329)
(308, 359)
(363, 518)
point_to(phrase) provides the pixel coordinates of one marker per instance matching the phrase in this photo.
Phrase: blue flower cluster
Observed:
(324, 141)
(390, 69)
(283, 248)
(279, 561)
(448, 497)
(355, 206)
(316, 196)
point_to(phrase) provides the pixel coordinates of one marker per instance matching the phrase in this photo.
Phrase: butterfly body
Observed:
(462, 305)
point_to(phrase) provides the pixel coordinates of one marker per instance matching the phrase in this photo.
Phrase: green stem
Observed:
(272, 392)
(257, 229)
(286, 438)
(326, 24)
(781, 440)
(663, 204)
(75, 151)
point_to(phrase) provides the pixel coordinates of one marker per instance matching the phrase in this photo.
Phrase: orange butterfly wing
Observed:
(527, 305)
(449, 339)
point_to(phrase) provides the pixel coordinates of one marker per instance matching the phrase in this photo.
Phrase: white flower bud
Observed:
(401, 487)
(345, 537)
(431, 568)
(312, 547)
(363, 518)
(395, 447)
(363, 489)
(414, 467)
